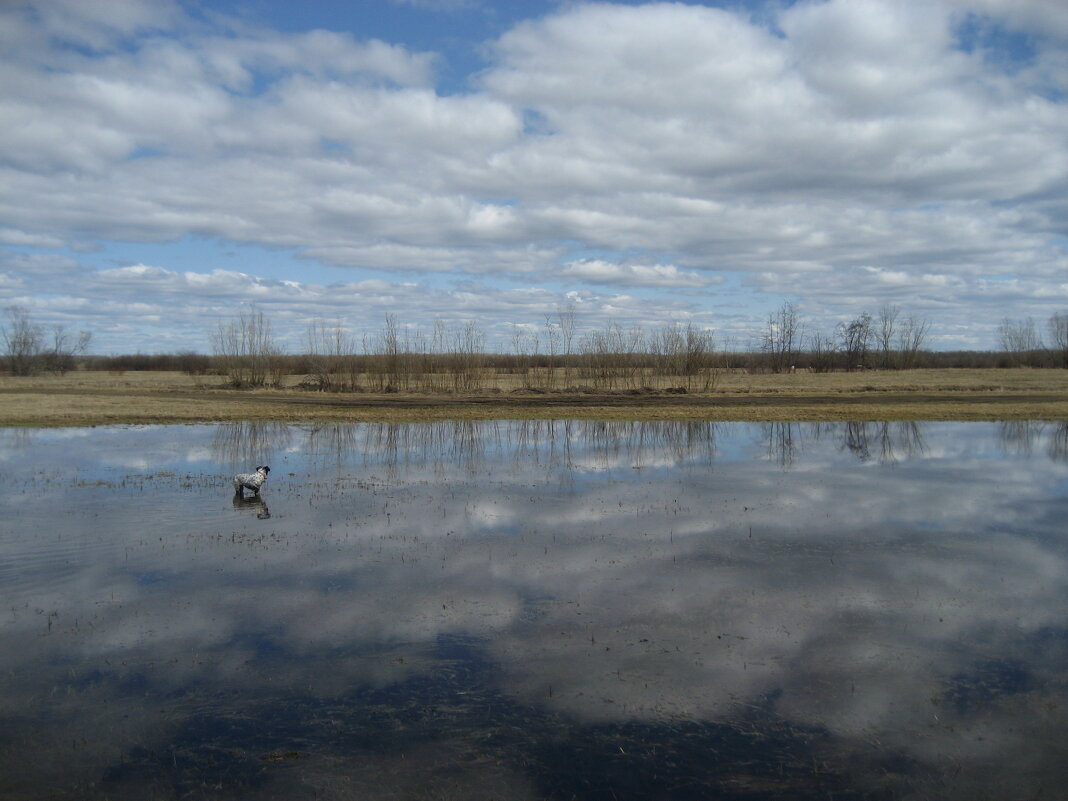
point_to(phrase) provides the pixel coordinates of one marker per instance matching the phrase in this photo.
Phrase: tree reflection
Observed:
(1019, 436)
(884, 442)
(247, 443)
(1023, 437)
(17, 439)
(1058, 443)
(447, 445)
(781, 443)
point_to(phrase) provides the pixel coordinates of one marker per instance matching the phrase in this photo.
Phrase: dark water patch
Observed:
(456, 710)
(989, 681)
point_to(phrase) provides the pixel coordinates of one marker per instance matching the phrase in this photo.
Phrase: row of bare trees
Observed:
(1023, 345)
(889, 341)
(31, 348)
(629, 358)
(394, 358)
(454, 358)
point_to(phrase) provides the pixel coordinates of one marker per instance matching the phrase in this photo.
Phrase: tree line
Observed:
(455, 359)
(31, 348)
(552, 355)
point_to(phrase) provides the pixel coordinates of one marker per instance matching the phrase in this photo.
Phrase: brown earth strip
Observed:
(59, 405)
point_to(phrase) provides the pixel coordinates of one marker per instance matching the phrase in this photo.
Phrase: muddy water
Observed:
(535, 610)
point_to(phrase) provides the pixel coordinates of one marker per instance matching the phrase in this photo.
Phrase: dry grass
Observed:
(85, 398)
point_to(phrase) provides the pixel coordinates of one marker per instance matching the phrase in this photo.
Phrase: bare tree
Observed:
(468, 357)
(59, 357)
(330, 352)
(552, 341)
(687, 353)
(246, 346)
(23, 341)
(668, 346)
(565, 319)
(823, 353)
(888, 314)
(1020, 340)
(911, 339)
(1058, 335)
(781, 340)
(525, 345)
(855, 338)
(610, 357)
(31, 348)
(626, 345)
(702, 368)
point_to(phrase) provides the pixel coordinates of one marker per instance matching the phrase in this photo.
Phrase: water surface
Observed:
(535, 610)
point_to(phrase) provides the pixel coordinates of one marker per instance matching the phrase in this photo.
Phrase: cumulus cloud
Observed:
(188, 305)
(597, 271)
(792, 149)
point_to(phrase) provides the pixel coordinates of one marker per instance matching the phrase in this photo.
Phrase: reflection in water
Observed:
(396, 447)
(546, 609)
(253, 503)
(250, 442)
(1058, 443)
(1022, 437)
(446, 445)
(781, 442)
(883, 442)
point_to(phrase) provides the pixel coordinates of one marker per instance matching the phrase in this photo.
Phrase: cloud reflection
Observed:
(607, 574)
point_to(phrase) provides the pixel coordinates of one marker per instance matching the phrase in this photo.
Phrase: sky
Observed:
(168, 164)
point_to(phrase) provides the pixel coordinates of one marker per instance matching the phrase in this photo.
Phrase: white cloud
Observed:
(683, 142)
(181, 309)
(12, 236)
(597, 271)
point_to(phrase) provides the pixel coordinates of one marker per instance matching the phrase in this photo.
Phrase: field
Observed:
(98, 398)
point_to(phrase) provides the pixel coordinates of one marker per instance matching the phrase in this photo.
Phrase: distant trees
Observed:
(22, 342)
(1058, 336)
(330, 349)
(467, 357)
(822, 353)
(31, 348)
(247, 350)
(855, 338)
(1020, 341)
(889, 341)
(911, 338)
(566, 319)
(887, 327)
(780, 342)
(900, 339)
(674, 356)
(688, 353)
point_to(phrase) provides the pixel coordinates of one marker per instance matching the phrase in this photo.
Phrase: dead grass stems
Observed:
(92, 398)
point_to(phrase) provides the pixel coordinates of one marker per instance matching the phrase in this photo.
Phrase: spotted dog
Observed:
(251, 481)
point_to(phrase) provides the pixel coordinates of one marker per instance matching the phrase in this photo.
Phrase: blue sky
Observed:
(166, 163)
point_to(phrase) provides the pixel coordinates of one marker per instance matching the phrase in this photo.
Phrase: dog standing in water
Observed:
(251, 481)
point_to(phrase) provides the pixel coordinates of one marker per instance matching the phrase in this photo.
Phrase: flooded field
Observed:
(535, 610)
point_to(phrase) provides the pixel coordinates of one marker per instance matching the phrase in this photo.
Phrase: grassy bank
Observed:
(96, 398)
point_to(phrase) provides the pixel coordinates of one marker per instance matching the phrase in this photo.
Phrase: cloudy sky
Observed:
(163, 163)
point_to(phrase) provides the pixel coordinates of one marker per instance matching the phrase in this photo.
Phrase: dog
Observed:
(251, 481)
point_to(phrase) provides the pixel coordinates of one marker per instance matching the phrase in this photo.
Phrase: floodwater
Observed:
(535, 610)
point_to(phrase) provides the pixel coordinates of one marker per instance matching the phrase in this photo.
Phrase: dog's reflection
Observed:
(254, 503)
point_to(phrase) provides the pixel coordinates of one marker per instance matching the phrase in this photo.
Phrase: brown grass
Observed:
(93, 398)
